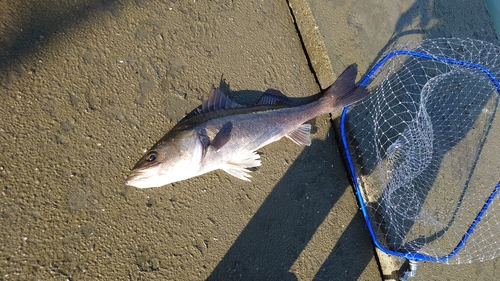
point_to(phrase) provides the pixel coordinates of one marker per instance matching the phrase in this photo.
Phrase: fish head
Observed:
(177, 156)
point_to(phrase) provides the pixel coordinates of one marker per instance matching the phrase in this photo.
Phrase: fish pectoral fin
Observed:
(238, 165)
(223, 136)
(301, 135)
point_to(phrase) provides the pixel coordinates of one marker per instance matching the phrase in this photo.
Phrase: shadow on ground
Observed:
(285, 223)
(32, 25)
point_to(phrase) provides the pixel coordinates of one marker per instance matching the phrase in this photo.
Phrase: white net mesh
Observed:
(425, 150)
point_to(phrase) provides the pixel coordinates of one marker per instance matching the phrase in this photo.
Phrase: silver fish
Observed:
(225, 135)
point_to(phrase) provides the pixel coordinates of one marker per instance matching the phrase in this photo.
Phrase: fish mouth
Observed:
(145, 178)
(134, 177)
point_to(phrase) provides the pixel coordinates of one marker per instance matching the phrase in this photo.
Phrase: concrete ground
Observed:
(362, 31)
(88, 85)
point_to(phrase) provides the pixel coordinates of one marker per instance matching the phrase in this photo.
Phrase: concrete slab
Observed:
(87, 86)
(355, 31)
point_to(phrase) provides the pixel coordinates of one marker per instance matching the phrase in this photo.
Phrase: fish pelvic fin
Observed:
(238, 166)
(301, 135)
(344, 90)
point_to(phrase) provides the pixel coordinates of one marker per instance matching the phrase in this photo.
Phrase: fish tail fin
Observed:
(344, 90)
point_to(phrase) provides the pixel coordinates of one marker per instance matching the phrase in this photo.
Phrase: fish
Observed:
(224, 135)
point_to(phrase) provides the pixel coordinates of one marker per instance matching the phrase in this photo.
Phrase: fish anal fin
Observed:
(272, 97)
(223, 136)
(301, 135)
(238, 166)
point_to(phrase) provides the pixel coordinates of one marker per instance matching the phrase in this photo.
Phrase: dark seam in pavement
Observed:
(304, 49)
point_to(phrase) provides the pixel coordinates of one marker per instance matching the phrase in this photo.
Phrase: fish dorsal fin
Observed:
(238, 165)
(301, 135)
(272, 96)
(217, 100)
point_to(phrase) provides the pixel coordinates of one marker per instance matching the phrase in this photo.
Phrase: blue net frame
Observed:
(412, 256)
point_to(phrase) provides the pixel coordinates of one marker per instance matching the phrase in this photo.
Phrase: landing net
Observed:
(423, 150)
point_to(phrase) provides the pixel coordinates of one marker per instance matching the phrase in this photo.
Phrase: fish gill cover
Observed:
(423, 151)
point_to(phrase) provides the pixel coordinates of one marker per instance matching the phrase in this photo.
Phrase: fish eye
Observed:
(152, 156)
